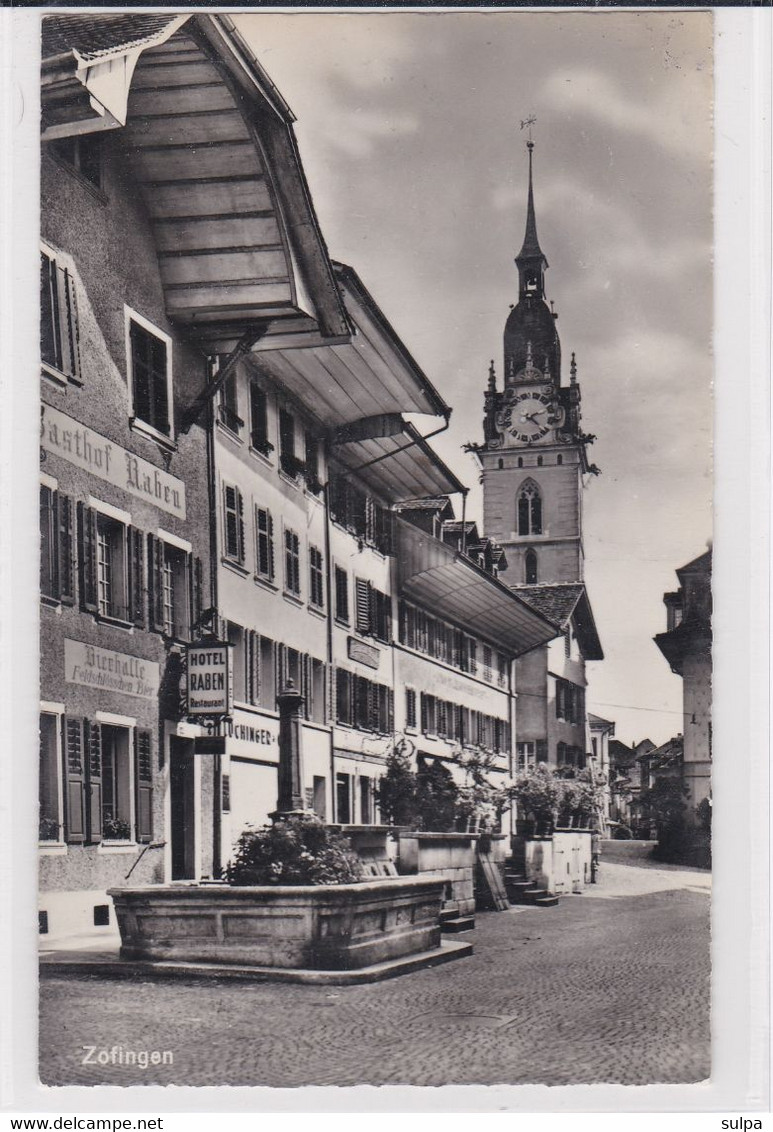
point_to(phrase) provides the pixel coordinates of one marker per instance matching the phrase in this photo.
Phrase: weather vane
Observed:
(527, 123)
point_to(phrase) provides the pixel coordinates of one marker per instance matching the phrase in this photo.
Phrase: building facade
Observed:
(686, 645)
(534, 467)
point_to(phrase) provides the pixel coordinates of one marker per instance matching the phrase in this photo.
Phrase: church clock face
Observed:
(533, 416)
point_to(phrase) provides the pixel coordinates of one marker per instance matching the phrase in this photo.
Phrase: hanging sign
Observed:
(210, 679)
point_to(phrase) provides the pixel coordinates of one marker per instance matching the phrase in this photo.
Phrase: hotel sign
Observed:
(210, 679)
(63, 436)
(109, 670)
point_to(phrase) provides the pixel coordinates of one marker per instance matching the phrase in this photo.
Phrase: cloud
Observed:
(664, 117)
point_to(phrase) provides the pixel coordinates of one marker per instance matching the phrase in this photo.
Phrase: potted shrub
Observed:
(537, 794)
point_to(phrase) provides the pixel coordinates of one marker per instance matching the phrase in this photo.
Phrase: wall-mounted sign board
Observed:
(210, 679)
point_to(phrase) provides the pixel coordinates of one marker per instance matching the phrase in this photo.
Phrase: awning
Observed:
(398, 465)
(442, 580)
(211, 145)
(372, 374)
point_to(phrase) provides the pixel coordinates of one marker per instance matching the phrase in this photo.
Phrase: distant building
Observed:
(625, 782)
(686, 645)
(601, 732)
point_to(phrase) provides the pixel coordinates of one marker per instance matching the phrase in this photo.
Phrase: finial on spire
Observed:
(573, 370)
(527, 123)
(531, 249)
(492, 377)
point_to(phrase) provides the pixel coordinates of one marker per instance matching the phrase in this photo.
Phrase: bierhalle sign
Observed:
(210, 679)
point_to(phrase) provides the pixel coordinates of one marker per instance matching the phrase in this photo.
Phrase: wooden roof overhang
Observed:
(437, 577)
(211, 145)
(396, 462)
(372, 375)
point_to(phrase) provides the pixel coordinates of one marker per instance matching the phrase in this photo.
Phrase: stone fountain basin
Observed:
(326, 927)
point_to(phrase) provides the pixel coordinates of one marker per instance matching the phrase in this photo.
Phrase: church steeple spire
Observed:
(532, 348)
(531, 260)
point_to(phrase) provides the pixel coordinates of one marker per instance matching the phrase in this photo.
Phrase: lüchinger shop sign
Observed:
(210, 679)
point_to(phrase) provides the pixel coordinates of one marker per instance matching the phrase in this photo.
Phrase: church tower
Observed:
(534, 464)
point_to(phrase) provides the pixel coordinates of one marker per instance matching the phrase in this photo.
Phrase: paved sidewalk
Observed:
(609, 986)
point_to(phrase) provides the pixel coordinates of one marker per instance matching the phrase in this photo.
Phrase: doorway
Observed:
(183, 807)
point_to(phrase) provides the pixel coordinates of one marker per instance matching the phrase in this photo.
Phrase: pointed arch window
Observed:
(529, 509)
(530, 562)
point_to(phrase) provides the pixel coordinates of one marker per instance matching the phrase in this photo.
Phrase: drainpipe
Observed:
(330, 614)
(217, 767)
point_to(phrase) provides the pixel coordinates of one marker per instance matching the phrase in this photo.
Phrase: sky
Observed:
(409, 131)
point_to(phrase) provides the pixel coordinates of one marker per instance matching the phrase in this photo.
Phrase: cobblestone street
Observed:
(612, 986)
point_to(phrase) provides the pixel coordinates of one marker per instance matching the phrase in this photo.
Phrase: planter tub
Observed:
(326, 927)
(448, 856)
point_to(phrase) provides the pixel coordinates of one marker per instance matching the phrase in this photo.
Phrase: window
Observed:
(176, 590)
(363, 704)
(50, 806)
(110, 554)
(342, 595)
(343, 799)
(84, 154)
(319, 797)
(570, 702)
(316, 578)
(361, 515)
(174, 586)
(237, 637)
(264, 528)
(529, 510)
(410, 708)
(520, 461)
(487, 656)
(311, 465)
(267, 674)
(58, 319)
(428, 714)
(228, 403)
(116, 784)
(225, 793)
(502, 670)
(57, 566)
(233, 523)
(108, 789)
(366, 801)
(289, 462)
(559, 459)
(314, 685)
(530, 563)
(292, 563)
(373, 611)
(259, 420)
(150, 370)
(525, 755)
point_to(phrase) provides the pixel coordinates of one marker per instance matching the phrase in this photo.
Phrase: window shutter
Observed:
(270, 542)
(197, 596)
(70, 343)
(93, 734)
(363, 605)
(136, 577)
(66, 551)
(258, 417)
(143, 770)
(281, 667)
(74, 793)
(240, 524)
(49, 585)
(390, 710)
(423, 713)
(87, 534)
(156, 582)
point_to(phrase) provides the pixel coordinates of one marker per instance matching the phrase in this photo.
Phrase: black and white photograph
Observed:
(376, 533)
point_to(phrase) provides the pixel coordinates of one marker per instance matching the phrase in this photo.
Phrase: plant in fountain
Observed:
(301, 850)
(537, 793)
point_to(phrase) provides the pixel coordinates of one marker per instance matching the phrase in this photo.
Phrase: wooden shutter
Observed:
(143, 772)
(93, 736)
(136, 577)
(156, 582)
(87, 537)
(74, 792)
(424, 713)
(197, 596)
(66, 550)
(362, 591)
(258, 422)
(49, 585)
(70, 337)
(390, 710)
